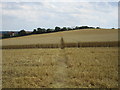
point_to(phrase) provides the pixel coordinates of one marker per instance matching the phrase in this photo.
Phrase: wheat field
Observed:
(86, 35)
(27, 63)
(60, 68)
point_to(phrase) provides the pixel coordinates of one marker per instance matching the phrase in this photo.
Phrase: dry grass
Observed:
(75, 36)
(62, 68)
(69, 67)
(93, 67)
(28, 68)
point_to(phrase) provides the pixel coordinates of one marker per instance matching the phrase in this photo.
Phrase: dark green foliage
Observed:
(97, 27)
(77, 27)
(34, 31)
(57, 29)
(22, 33)
(64, 29)
(40, 30)
(7, 35)
(49, 30)
(69, 28)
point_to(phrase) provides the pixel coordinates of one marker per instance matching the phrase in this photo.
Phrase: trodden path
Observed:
(60, 74)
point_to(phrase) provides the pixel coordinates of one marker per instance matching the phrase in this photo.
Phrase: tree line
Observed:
(43, 30)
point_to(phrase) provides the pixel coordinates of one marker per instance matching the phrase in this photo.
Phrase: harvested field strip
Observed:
(79, 44)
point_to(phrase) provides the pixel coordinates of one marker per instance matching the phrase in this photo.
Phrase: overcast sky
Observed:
(30, 15)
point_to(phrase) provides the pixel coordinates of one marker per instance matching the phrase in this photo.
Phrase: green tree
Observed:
(57, 29)
(22, 33)
(34, 31)
(76, 27)
(49, 30)
(41, 30)
(64, 29)
(97, 27)
(69, 28)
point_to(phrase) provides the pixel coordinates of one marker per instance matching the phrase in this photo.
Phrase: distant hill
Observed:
(3, 32)
(86, 35)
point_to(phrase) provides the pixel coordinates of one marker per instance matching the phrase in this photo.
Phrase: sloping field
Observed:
(91, 35)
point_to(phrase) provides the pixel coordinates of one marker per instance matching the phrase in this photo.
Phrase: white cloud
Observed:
(59, 0)
(50, 14)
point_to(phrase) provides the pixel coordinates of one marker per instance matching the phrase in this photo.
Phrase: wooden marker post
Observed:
(62, 43)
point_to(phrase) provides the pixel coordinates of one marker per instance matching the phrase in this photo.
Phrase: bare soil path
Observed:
(60, 75)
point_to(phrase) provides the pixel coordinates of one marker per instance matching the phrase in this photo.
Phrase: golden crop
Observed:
(68, 36)
(60, 68)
